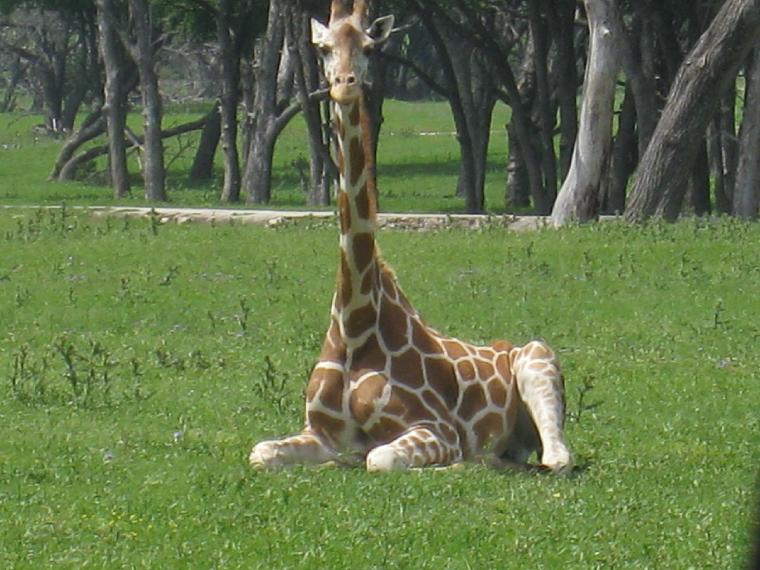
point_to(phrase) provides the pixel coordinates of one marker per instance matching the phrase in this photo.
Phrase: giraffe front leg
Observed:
(542, 390)
(305, 448)
(418, 447)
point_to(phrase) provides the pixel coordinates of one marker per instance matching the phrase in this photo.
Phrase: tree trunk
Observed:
(578, 198)
(747, 190)
(68, 172)
(518, 191)
(562, 27)
(665, 168)
(230, 61)
(728, 144)
(267, 123)
(202, 169)
(114, 99)
(321, 168)
(636, 48)
(546, 116)
(17, 72)
(471, 101)
(699, 184)
(154, 172)
(85, 134)
(624, 153)
(715, 162)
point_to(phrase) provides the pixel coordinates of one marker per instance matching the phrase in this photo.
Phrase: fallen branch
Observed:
(68, 171)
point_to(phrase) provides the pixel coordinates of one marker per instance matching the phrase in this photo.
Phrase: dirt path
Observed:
(275, 217)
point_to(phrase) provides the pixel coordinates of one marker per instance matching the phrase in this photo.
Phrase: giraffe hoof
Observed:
(383, 459)
(264, 456)
(558, 462)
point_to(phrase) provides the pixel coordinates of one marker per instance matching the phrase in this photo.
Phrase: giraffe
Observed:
(388, 389)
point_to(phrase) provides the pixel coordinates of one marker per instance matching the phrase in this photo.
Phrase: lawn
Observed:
(139, 362)
(418, 160)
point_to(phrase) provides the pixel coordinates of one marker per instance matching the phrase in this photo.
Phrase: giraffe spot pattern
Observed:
(407, 406)
(466, 370)
(473, 400)
(328, 386)
(356, 153)
(423, 340)
(325, 425)
(393, 325)
(333, 347)
(364, 204)
(363, 251)
(454, 350)
(345, 289)
(360, 320)
(368, 357)
(365, 396)
(407, 369)
(440, 376)
(488, 429)
(385, 429)
(344, 210)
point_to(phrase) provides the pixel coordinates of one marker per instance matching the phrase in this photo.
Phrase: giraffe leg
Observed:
(305, 448)
(541, 388)
(418, 447)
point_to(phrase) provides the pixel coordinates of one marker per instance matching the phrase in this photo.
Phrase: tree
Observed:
(747, 192)
(54, 56)
(578, 198)
(143, 52)
(271, 111)
(115, 62)
(660, 182)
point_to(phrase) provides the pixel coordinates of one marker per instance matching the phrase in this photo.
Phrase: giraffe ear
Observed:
(381, 29)
(319, 33)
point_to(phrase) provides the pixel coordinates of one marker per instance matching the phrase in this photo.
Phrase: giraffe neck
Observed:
(355, 304)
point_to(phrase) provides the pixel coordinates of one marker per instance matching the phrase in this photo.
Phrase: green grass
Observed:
(187, 344)
(418, 164)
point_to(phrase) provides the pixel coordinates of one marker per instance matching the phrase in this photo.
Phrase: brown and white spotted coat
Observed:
(387, 387)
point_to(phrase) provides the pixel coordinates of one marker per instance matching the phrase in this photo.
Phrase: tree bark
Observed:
(230, 60)
(202, 169)
(699, 183)
(322, 170)
(665, 168)
(624, 154)
(154, 171)
(17, 72)
(562, 27)
(578, 198)
(271, 115)
(546, 116)
(85, 134)
(747, 190)
(114, 98)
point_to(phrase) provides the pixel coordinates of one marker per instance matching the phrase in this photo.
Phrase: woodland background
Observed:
(671, 91)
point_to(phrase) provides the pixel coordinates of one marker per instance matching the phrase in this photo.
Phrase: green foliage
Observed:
(204, 336)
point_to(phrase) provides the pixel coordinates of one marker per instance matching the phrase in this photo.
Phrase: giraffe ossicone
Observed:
(388, 388)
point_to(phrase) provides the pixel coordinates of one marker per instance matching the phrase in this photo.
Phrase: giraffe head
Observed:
(344, 44)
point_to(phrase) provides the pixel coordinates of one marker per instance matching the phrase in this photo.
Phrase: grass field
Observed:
(418, 163)
(140, 362)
